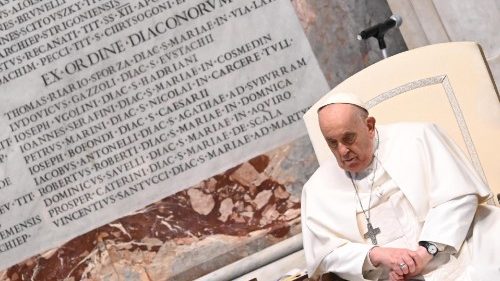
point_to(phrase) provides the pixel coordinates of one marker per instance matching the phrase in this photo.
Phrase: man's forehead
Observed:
(341, 135)
(336, 120)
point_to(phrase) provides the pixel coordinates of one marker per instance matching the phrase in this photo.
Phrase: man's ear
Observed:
(370, 122)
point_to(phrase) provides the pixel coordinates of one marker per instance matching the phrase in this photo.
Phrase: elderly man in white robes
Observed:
(398, 202)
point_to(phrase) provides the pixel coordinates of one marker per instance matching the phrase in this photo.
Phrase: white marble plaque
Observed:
(107, 106)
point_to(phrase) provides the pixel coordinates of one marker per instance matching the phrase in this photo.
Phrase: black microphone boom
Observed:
(380, 29)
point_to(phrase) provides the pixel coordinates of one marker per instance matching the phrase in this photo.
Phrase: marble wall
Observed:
(231, 215)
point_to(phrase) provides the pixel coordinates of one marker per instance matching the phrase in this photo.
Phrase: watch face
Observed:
(432, 249)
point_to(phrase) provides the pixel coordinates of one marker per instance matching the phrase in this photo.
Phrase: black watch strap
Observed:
(431, 247)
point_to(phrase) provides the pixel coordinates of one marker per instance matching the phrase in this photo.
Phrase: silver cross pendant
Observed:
(372, 232)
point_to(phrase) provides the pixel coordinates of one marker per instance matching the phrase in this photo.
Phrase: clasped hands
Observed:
(402, 263)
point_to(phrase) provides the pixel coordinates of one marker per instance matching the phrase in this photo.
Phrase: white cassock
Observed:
(424, 189)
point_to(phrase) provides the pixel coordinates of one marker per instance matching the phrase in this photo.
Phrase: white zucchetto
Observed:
(348, 98)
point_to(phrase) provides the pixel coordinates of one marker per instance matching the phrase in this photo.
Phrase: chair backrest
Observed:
(448, 84)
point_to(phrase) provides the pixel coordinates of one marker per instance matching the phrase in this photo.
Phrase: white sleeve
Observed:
(351, 262)
(449, 222)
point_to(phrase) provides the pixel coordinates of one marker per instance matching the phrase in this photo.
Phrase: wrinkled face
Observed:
(349, 133)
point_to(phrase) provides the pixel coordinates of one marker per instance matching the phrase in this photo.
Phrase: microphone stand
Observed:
(381, 45)
(378, 31)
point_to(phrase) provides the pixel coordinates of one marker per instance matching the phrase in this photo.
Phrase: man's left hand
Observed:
(421, 258)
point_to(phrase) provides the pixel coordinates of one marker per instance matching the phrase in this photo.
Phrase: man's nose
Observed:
(343, 149)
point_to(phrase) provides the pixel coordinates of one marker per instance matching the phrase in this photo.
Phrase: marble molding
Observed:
(230, 215)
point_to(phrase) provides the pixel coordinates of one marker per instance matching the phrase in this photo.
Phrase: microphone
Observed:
(380, 29)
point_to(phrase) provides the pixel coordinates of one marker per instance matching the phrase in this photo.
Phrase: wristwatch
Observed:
(430, 247)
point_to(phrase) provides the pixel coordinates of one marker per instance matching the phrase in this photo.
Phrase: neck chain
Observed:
(372, 232)
(367, 216)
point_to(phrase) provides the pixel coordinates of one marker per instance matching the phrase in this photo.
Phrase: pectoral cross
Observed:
(372, 233)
